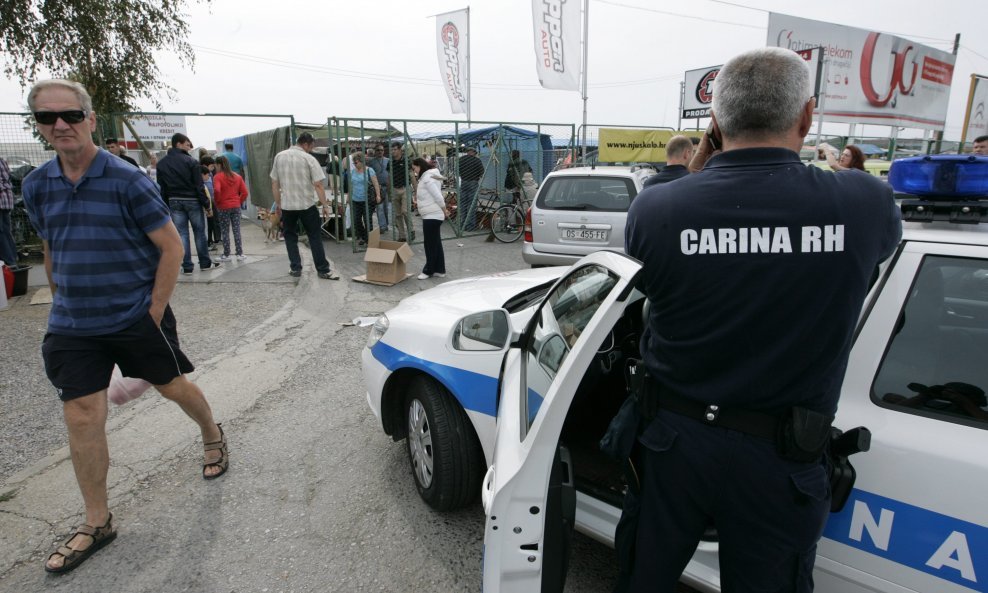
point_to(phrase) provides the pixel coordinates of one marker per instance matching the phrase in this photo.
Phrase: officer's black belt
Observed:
(759, 424)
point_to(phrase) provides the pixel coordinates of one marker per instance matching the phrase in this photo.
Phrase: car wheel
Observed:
(443, 450)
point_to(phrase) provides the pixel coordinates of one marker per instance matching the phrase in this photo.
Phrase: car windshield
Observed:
(598, 192)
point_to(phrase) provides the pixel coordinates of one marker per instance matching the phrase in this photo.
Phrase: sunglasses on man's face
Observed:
(73, 116)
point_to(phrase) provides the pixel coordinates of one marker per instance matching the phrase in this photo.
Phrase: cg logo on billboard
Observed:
(899, 52)
(450, 37)
(705, 88)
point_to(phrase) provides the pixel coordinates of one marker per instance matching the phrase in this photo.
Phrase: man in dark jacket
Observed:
(517, 168)
(471, 172)
(679, 151)
(181, 186)
(401, 180)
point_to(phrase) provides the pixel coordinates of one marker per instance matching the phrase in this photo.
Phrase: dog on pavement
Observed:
(271, 223)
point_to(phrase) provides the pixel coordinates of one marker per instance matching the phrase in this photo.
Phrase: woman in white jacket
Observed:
(432, 209)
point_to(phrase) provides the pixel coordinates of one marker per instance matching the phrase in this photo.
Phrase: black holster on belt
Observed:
(802, 435)
(842, 473)
(622, 433)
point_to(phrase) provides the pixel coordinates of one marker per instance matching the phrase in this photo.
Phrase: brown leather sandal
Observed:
(73, 558)
(223, 462)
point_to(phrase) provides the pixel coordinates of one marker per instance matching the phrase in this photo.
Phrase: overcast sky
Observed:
(378, 59)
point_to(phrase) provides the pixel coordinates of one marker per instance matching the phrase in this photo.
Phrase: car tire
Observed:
(443, 450)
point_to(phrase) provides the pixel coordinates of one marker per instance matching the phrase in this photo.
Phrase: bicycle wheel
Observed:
(508, 224)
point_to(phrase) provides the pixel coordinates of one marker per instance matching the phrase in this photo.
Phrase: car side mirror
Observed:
(551, 354)
(484, 331)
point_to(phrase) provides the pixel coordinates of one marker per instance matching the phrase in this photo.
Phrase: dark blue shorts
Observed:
(81, 365)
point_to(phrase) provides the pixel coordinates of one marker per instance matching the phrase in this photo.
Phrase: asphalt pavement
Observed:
(317, 498)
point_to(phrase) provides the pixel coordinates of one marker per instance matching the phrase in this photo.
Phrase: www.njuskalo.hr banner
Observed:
(628, 145)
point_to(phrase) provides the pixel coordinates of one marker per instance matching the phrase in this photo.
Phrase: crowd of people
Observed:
(713, 431)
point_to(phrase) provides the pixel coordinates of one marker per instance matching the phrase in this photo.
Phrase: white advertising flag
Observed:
(977, 116)
(873, 77)
(557, 43)
(452, 29)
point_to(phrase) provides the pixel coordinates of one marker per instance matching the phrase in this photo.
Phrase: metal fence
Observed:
(23, 150)
(507, 150)
(254, 137)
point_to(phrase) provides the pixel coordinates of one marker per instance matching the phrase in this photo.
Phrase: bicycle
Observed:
(508, 221)
(26, 240)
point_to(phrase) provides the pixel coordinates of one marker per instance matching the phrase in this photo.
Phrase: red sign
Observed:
(936, 71)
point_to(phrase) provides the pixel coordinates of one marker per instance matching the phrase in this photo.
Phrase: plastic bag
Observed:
(124, 389)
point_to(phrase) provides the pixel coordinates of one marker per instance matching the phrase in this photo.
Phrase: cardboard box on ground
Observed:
(385, 260)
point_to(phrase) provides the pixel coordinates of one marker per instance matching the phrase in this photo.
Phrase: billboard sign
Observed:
(872, 77)
(154, 128)
(699, 92)
(630, 145)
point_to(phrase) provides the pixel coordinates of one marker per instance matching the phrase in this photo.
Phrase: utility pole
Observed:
(939, 135)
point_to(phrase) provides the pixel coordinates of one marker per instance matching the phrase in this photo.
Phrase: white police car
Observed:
(917, 375)
(914, 521)
(431, 367)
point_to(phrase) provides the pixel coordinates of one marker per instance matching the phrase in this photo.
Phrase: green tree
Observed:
(107, 45)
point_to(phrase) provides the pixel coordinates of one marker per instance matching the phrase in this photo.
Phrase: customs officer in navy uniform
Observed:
(679, 151)
(756, 268)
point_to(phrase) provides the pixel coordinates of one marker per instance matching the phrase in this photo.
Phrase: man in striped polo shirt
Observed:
(112, 255)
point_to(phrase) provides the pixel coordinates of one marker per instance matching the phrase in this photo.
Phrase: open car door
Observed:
(525, 494)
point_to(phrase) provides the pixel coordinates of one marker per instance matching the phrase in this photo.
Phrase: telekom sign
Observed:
(873, 77)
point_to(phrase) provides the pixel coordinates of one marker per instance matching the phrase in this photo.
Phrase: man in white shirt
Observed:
(295, 175)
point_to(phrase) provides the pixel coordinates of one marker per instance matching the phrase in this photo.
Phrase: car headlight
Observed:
(377, 330)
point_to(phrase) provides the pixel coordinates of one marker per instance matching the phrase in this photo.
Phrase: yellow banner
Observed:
(623, 145)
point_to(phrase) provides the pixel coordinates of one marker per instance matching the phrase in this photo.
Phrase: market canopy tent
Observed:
(494, 145)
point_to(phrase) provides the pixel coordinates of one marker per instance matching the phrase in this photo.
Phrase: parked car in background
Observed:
(581, 210)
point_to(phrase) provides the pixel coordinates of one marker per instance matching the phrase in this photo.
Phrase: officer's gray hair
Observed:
(761, 93)
(85, 101)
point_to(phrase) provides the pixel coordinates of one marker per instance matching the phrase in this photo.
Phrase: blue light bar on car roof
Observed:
(947, 176)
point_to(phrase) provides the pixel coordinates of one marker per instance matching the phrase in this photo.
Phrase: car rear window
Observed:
(610, 194)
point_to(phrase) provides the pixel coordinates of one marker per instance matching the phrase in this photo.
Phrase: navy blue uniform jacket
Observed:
(757, 268)
(667, 174)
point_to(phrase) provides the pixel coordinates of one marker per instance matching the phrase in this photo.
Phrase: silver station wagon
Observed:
(581, 210)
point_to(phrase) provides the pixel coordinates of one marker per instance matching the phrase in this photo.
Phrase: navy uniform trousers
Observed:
(769, 512)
